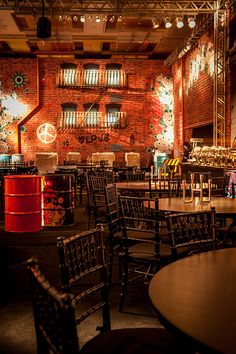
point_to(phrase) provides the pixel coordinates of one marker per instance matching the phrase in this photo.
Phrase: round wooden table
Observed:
(197, 296)
(224, 206)
(141, 186)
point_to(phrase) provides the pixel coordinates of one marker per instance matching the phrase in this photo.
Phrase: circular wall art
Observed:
(19, 79)
(46, 133)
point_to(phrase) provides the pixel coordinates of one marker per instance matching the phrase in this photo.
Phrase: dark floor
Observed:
(16, 322)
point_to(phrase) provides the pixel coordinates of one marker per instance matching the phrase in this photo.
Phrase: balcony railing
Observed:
(86, 120)
(91, 78)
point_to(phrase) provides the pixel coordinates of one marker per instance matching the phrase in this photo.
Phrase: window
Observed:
(69, 73)
(113, 74)
(91, 74)
(113, 114)
(92, 114)
(69, 115)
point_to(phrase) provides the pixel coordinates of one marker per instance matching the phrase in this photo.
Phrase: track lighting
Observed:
(82, 18)
(191, 22)
(155, 22)
(97, 19)
(168, 23)
(179, 22)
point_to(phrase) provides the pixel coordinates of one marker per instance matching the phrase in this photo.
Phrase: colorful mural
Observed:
(10, 110)
(164, 140)
(204, 62)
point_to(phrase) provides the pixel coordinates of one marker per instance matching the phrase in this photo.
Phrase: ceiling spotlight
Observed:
(155, 22)
(179, 22)
(168, 23)
(75, 18)
(119, 18)
(97, 19)
(82, 18)
(191, 22)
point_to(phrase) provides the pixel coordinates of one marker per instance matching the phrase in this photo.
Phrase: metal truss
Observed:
(123, 7)
(220, 27)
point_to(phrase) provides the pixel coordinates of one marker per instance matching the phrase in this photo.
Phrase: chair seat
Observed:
(145, 251)
(140, 235)
(137, 341)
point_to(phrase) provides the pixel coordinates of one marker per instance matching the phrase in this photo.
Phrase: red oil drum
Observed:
(23, 211)
(58, 200)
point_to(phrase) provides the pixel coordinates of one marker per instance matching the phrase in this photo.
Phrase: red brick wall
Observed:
(193, 105)
(142, 107)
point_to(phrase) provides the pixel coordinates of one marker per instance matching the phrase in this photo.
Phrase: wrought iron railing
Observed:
(85, 120)
(91, 78)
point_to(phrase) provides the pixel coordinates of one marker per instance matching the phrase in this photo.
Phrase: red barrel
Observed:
(58, 200)
(23, 210)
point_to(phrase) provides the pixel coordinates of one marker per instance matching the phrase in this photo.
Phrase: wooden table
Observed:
(142, 186)
(223, 206)
(197, 296)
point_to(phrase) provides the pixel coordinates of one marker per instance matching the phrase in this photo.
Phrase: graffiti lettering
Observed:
(88, 139)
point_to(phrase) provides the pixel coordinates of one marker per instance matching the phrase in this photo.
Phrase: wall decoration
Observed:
(11, 109)
(93, 137)
(164, 140)
(18, 79)
(46, 133)
(204, 62)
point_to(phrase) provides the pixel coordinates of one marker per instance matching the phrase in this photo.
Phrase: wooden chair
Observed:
(82, 256)
(95, 206)
(164, 187)
(140, 256)
(56, 331)
(187, 233)
(114, 226)
(192, 232)
(54, 318)
(98, 184)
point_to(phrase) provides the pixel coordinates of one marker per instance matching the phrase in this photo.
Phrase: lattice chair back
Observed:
(54, 315)
(82, 257)
(139, 217)
(196, 230)
(114, 225)
(97, 187)
(159, 187)
(135, 175)
(109, 175)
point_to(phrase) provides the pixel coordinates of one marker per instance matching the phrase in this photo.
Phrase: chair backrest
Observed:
(159, 187)
(112, 203)
(82, 257)
(164, 187)
(134, 175)
(140, 215)
(196, 230)
(54, 315)
(109, 175)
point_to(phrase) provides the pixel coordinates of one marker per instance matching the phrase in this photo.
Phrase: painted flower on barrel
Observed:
(60, 200)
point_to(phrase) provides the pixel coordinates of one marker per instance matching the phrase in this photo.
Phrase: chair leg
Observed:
(124, 282)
